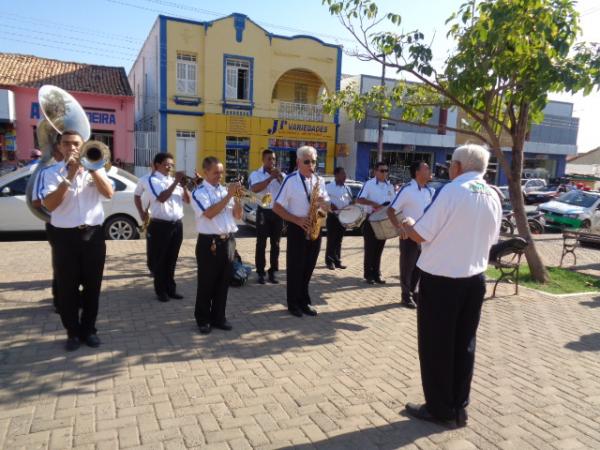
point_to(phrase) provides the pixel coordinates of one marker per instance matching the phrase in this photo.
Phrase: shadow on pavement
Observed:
(586, 343)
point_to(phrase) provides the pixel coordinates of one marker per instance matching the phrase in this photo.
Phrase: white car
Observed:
(574, 209)
(532, 184)
(121, 217)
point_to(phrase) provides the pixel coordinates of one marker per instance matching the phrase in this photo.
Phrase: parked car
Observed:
(574, 209)
(542, 195)
(121, 217)
(532, 184)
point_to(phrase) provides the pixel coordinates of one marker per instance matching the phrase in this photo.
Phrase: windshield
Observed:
(578, 198)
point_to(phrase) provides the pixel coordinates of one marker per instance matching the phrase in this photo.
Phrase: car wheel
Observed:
(120, 228)
(586, 225)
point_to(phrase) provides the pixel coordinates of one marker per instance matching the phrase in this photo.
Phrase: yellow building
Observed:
(230, 89)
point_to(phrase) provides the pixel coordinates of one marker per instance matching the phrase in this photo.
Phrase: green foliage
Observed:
(560, 281)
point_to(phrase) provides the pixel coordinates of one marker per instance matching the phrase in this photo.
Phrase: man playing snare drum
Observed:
(375, 194)
(341, 196)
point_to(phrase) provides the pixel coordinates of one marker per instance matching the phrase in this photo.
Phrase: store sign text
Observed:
(282, 126)
(101, 118)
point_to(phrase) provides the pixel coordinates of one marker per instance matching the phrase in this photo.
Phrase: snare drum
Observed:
(382, 225)
(352, 216)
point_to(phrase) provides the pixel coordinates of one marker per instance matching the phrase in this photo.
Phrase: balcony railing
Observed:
(301, 111)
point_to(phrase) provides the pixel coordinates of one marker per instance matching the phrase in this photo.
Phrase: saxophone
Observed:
(315, 214)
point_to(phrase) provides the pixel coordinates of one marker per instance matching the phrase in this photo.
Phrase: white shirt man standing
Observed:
(456, 233)
(411, 200)
(292, 204)
(340, 196)
(267, 181)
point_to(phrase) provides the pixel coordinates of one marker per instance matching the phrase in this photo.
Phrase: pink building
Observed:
(104, 93)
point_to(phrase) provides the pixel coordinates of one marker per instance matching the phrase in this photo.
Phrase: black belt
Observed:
(171, 222)
(220, 237)
(265, 209)
(79, 227)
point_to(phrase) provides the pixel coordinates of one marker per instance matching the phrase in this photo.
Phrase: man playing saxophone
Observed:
(302, 201)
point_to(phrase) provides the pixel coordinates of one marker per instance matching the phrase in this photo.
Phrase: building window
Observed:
(238, 79)
(107, 138)
(301, 93)
(186, 74)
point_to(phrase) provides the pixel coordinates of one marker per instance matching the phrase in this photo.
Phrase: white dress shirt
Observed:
(82, 204)
(377, 191)
(295, 192)
(272, 188)
(38, 183)
(412, 199)
(205, 196)
(141, 190)
(172, 208)
(340, 195)
(459, 227)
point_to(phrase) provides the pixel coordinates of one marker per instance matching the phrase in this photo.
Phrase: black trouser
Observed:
(409, 272)
(149, 249)
(447, 320)
(335, 234)
(214, 275)
(165, 242)
(301, 259)
(49, 229)
(268, 225)
(373, 250)
(79, 258)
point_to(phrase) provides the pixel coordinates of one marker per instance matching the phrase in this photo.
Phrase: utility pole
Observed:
(380, 125)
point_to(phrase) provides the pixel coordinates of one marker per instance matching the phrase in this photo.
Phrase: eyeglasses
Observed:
(384, 170)
(309, 161)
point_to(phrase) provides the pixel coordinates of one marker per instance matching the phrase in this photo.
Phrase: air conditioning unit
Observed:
(7, 106)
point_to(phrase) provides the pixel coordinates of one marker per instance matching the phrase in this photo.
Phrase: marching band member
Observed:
(411, 200)
(216, 209)
(165, 229)
(267, 180)
(292, 204)
(73, 196)
(340, 196)
(456, 232)
(142, 199)
(375, 194)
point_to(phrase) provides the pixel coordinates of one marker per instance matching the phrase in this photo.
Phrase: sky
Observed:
(111, 32)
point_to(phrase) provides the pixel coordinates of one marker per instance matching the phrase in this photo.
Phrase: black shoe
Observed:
(309, 310)
(420, 412)
(261, 279)
(330, 266)
(176, 296)
(225, 325)
(205, 329)
(296, 312)
(370, 281)
(379, 280)
(92, 341)
(461, 418)
(272, 278)
(408, 303)
(72, 344)
(340, 265)
(163, 298)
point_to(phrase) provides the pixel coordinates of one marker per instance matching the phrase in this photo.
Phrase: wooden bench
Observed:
(572, 240)
(506, 257)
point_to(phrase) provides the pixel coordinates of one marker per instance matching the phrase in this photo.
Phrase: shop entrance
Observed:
(399, 163)
(237, 152)
(185, 157)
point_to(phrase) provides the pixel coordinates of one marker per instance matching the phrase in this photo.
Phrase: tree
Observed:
(508, 55)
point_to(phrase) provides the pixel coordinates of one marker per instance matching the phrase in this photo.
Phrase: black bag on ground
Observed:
(504, 248)
(239, 277)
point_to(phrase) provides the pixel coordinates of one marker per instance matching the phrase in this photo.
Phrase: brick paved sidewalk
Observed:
(335, 381)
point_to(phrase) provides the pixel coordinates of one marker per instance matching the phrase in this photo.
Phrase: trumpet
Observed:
(245, 194)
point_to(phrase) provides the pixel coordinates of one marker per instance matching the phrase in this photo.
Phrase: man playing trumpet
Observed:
(165, 230)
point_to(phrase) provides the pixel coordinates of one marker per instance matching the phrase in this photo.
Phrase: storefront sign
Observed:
(95, 117)
(293, 128)
(10, 142)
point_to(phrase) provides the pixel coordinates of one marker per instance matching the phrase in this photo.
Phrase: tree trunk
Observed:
(536, 266)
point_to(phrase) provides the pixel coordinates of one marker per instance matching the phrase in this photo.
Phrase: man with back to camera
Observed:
(456, 233)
